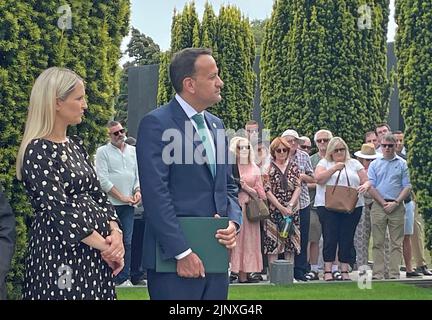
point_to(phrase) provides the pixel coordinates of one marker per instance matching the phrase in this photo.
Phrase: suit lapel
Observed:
(182, 120)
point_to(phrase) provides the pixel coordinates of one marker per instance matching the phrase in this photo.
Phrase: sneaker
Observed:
(424, 269)
(312, 275)
(125, 284)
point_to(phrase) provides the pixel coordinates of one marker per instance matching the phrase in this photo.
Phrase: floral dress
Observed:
(68, 205)
(282, 185)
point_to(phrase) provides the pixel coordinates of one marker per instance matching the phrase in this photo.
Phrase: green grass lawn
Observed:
(322, 291)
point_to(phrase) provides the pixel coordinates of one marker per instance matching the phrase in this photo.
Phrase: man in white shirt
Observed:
(117, 170)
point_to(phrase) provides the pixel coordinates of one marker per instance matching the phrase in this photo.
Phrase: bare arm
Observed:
(376, 196)
(322, 175)
(120, 196)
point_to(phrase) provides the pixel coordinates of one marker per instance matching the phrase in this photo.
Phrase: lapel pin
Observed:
(214, 125)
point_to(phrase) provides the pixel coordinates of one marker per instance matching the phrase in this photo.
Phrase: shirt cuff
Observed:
(183, 254)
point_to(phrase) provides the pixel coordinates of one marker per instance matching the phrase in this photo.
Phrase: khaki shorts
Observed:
(314, 227)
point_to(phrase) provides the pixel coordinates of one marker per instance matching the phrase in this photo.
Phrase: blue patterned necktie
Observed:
(203, 133)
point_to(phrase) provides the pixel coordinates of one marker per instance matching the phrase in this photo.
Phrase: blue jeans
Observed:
(126, 215)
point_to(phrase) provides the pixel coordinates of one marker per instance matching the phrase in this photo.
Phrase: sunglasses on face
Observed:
(305, 147)
(118, 132)
(243, 147)
(323, 140)
(369, 160)
(339, 150)
(252, 130)
(390, 145)
(281, 150)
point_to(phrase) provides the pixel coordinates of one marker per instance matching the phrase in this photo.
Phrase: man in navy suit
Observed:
(183, 167)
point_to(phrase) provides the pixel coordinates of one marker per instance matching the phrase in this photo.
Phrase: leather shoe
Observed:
(413, 274)
(424, 269)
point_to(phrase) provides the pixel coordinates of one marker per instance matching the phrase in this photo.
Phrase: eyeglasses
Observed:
(118, 132)
(291, 141)
(252, 130)
(281, 150)
(323, 140)
(243, 147)
(339, 150)
(306, 147)
(390, 145)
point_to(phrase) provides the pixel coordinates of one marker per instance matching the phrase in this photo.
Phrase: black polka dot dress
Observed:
(68, 205)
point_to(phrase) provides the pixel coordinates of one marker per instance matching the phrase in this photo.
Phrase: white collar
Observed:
(187, 108)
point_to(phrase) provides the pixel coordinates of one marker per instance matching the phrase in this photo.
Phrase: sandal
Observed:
(329, 279)
(345, 279)
(312, 275)
(337, 276)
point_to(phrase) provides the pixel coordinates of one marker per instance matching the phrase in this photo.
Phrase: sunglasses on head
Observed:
(323, 140)
(390, 145)
(339, 150)
(283, 150)
(118, 132)
(243, 147)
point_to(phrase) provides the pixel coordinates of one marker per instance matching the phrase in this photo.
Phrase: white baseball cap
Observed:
(294, 134)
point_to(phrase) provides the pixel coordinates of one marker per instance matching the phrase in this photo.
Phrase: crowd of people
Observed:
(385, 210)
(80, 238)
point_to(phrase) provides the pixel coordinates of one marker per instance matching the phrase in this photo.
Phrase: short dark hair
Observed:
(183, 65)
(251, 123)
(112, 123)
(382, 124)
(367, 134)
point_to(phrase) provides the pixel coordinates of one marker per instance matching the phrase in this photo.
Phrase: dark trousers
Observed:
(136, 271)
(300, 261)
(126, 215)
(338, 230)
(169, 286)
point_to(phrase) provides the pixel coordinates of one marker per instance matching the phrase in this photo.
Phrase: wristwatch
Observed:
(118, 230)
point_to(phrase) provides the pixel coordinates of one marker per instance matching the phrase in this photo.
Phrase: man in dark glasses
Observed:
(321, 139)
(390, 187)
(307, 145)
(117, 170)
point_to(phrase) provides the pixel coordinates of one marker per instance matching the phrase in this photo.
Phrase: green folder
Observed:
(200, 235)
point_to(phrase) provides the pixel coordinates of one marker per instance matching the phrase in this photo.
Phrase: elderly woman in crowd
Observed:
(246, 255)
(366, 155)
(339, 227)
(282, 185)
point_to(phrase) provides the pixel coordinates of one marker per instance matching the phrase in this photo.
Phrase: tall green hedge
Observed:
(414, 54)
(31, 41)
(320, 70)
(230, 37)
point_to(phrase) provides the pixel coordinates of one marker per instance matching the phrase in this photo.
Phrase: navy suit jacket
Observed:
(184, 187)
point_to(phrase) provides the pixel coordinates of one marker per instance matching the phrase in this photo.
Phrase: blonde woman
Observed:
(246, 255)
(282, 186)
(338, 228)
(75, 244)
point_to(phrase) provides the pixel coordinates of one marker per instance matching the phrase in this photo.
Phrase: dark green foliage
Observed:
(230, 37)
(31, 41)
(414, 54)
(320, 70)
